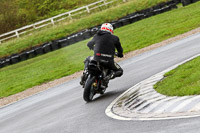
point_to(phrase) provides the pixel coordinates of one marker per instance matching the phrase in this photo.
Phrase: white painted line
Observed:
(154, 105)
(195, 108)
(142, 98)
(185, 103)
(168, 104)
(149, 102)
(145, 93)
(166, 118)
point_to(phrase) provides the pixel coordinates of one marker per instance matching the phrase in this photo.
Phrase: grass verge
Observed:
(66, 61)
(184, 80)
(63, 29)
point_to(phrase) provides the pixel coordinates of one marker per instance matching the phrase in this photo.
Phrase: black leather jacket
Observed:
(104, 45)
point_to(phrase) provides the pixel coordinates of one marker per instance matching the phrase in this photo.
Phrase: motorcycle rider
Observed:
(104, 44)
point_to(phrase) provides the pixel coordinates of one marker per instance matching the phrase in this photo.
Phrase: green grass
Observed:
(42, 69)
(184, 80)
(70, 59)
(41, 36)
(158, 28)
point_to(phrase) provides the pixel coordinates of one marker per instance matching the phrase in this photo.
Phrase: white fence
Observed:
(51, 21)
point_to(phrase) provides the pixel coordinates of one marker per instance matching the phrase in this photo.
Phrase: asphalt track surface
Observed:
(62, 110)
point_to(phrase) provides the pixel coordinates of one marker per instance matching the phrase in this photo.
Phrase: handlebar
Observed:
(119, 55)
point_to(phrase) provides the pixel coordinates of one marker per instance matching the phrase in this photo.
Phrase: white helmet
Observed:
(107, 27)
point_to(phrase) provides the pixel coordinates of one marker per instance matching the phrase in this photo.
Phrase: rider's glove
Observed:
(120, 55)
(91, 48)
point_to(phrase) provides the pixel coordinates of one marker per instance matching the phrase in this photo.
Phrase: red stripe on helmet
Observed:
(105, 28)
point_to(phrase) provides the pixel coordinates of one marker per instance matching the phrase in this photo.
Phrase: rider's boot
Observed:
(104, 84)
(107, 78)
(110, 76)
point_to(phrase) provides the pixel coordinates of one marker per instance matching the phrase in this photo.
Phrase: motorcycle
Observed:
(95, 83)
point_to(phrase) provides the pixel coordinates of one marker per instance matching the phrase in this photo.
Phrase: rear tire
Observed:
(89, 91)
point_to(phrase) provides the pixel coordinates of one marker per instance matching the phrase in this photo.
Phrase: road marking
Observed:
(169, 104)
(142, 102)
(155, 105)
(185, 103)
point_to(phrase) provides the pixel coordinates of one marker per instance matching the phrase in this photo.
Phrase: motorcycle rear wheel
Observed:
(89, 91)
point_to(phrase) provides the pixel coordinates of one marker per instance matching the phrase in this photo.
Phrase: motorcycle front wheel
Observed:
(89, 90)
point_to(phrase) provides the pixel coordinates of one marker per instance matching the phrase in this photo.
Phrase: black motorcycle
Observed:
(95, 83)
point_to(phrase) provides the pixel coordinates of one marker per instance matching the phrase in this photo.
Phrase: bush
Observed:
(24, 12)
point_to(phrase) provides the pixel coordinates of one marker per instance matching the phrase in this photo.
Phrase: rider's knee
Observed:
(87, 61)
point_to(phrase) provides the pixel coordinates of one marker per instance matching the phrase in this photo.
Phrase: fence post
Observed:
(70, 15)
(52, 21)
(87, 8)
(17, 34)
(34, 26)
